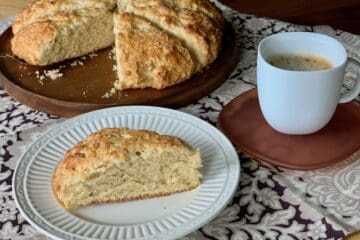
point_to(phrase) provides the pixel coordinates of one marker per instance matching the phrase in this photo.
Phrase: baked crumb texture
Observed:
(120, 164)
(158, 43)
(49, 31)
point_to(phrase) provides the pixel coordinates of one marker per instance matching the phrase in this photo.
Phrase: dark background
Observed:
(340, 14)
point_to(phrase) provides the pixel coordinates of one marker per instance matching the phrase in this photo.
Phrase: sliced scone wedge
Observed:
(64, 35)
(199, 33)
(146, 56)
(120, 164)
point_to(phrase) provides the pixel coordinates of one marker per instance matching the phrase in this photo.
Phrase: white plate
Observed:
(158, 218)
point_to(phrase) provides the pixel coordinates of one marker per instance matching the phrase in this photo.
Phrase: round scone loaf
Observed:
(158, 43)
(120, 164)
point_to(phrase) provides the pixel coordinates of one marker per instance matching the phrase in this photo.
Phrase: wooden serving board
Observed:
(86, 80)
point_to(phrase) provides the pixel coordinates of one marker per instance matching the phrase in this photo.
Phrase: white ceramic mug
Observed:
(301, 102)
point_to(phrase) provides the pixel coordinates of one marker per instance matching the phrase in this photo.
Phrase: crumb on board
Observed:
(76, 63)
(92, 55)
(111, 54)
(51, 74)
(114, 68)
(109, 93)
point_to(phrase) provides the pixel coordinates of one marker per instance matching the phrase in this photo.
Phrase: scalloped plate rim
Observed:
(135, 109)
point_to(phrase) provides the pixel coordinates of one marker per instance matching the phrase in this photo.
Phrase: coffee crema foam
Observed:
(300, 62)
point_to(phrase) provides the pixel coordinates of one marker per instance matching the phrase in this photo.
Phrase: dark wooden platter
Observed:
(86, 81)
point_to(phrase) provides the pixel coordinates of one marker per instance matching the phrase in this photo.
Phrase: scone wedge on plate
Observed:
(146, 56)
(120, 164)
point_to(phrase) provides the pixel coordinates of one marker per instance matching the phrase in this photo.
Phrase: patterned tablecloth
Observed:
(270, 202)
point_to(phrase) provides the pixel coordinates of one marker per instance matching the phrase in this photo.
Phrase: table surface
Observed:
(270, 202)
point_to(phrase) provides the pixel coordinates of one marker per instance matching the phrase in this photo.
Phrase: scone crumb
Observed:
(76, 63)
(109, 93)
(53, 74)
(111, 54)
(92, 55)
(40, 77)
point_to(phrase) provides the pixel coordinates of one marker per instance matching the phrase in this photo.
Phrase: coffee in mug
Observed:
(300, 62)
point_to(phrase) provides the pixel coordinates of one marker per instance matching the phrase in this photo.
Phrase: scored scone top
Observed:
(164, 60)
(37, 10)
(199, 33)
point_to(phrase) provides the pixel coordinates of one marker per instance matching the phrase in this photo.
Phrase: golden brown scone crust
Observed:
(202, 6)
(33, 41)
(106, 145)
(112, 143)
(147, 56)
(201, 33)
(27, 44)
(42, 8)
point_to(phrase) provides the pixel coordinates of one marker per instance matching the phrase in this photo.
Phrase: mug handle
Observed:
(355, 91)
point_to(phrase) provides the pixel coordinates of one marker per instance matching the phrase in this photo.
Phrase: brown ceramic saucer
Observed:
(242, 122)
(352, 236)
